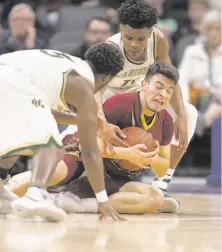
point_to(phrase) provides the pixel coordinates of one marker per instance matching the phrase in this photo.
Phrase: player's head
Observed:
(158, 86)
(136, 21)
(106, 61)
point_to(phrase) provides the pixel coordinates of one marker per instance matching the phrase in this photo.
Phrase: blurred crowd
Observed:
(193, 29)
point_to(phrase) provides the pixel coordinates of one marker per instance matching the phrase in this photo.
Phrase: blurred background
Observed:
(72, 26)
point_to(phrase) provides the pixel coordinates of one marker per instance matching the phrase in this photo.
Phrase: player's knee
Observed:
(192, 115)
(191, 112)
(156, 197)
(129, 187)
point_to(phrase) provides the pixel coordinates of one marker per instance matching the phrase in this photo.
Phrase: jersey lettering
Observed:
(128, 82)
(55, 54)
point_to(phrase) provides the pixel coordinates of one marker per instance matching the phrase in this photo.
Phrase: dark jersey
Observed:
(124, 110)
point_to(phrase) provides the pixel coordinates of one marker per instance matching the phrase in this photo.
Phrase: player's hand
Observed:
(181, 134)
(107, 210)
(108, 133)
(137, 155)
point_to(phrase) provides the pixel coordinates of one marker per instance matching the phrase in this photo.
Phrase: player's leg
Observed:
(137, 198)
(170, 204)
(36, 200)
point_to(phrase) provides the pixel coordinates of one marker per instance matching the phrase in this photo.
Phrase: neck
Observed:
(145, 109)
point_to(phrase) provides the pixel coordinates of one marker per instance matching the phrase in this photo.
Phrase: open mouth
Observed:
(159, 102)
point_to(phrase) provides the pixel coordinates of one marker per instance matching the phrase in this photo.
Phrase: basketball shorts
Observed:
(26, 118)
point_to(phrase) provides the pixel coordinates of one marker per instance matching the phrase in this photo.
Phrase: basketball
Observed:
(135, 136)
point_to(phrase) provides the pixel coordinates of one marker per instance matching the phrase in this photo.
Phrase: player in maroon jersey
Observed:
(144, 109)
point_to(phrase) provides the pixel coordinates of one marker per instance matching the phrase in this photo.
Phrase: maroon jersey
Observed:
(125, 110)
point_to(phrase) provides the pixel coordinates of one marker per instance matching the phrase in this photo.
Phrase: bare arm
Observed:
(98, 99)
(161, 163)
(163, 56)
(63, 117)
(79, 93)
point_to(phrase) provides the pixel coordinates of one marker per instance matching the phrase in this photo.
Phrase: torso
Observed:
(132, 116)
(48, 69)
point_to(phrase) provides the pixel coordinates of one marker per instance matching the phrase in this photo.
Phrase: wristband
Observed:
(102, 196)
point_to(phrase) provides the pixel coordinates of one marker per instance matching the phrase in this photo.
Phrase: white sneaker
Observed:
(69, 202)
(46, 209)
(170, 205)
(6, 198)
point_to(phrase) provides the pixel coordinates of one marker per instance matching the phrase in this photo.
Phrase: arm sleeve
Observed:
(167, 130)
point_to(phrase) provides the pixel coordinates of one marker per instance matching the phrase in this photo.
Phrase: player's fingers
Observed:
(150, 154)
(120, 132)
(142, 147)
(111, 149)
(119, 217)
(120, 142)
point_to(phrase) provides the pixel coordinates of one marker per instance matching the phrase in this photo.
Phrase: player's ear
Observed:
(143, 85)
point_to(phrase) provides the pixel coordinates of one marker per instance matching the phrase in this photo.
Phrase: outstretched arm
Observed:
(176, 101)
(163, 56)
(79, 93)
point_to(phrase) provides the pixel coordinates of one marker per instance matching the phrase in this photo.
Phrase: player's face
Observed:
(135, 41)
(158, 92)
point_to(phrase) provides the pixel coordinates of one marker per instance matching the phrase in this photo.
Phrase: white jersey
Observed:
(47, 69)
(128, 80)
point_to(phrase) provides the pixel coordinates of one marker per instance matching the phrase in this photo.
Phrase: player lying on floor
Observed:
(144, 109)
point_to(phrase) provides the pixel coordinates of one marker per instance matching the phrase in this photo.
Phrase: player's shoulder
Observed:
(165, 117)
(115, 39)
(122, 100)
(158, 33)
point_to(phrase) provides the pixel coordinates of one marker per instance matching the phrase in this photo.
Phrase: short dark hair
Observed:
(137, 14)
(102, 19)
(167, 70)
(106, 58)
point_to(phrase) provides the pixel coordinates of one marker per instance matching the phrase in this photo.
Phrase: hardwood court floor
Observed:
(195, 228)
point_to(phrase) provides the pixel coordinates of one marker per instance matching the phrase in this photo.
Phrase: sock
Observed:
(90, 205)
(35, 193)
(164, 181)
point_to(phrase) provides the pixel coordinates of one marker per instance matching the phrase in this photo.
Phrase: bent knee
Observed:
(156, 197)
(191, 111)
(130, 186)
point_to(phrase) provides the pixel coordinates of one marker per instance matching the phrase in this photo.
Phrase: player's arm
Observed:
(79, 93)
(63, 117)
(161, 162)
(107, 129)
(162, 55)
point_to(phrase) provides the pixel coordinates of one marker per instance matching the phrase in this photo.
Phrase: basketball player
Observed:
(33, 82)
(126, 195)
(142, 44)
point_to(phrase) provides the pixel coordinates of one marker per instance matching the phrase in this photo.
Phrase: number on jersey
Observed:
(56, 54)
(128, 82)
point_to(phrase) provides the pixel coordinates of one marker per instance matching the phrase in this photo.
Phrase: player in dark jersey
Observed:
(144, 109)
